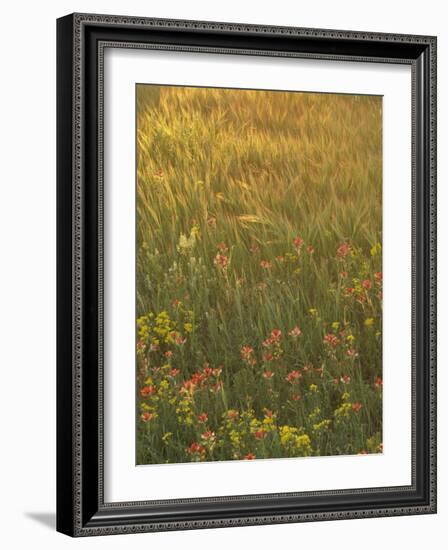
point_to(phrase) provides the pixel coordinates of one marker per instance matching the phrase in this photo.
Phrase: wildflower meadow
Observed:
(259, 274)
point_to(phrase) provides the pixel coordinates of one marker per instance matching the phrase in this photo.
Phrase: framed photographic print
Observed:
(246, 274)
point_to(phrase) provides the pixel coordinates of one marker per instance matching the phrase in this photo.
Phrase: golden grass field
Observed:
(259, 274)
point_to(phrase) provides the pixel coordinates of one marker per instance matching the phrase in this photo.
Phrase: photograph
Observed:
(258, 274)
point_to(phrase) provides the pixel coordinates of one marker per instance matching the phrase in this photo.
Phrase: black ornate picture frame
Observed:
(81, 507)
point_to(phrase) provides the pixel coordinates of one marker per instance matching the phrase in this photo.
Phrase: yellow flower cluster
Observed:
(294, 441)
(184, 412)
(376, 249)
(163, 326)
(321, 426)
(157, 329)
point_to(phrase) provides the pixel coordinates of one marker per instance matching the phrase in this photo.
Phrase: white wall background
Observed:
(27, 272)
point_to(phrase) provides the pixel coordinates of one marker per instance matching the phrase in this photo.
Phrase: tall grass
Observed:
(258, 228)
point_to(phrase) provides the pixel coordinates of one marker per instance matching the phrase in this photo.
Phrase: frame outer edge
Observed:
(65, 371)
(220, 26)
(70, 509)
(78, 260)
(433, 273)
